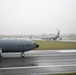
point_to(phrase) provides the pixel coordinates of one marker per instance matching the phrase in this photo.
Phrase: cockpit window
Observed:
(31, 41)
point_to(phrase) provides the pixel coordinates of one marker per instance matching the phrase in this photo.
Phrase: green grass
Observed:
(63, 74)
(55, 45)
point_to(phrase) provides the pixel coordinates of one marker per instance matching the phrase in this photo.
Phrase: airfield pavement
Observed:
(38, 62)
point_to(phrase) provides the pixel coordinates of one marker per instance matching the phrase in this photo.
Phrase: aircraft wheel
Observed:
(60, 38)
(0, 53)
(22, 54)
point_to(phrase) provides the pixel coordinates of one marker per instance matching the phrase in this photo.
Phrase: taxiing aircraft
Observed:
(52, 37)
(16, 46)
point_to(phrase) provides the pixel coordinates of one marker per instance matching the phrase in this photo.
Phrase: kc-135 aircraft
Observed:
(17, 45)
(52, 37)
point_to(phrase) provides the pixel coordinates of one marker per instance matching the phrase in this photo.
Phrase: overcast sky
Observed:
(37, 16)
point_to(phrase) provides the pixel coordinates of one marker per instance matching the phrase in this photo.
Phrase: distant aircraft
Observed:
(16, 46)
(52, 37)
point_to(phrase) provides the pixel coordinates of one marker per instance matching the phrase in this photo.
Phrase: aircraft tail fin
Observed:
(58, 34)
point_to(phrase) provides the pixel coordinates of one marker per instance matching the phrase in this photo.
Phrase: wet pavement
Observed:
(38, 62)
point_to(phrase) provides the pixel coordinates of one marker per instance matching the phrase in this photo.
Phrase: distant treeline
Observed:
(37, 36)
(71, 36)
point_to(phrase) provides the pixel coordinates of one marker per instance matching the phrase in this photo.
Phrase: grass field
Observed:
(55, 45)
(63, 74)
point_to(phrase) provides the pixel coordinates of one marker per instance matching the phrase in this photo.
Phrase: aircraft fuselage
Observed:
(17, 45)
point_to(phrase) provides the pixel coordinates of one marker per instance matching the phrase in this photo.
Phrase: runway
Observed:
(67, 40)
(38, 62)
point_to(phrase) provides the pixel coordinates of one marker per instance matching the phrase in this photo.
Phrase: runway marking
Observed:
(66, 51)
(49, 66)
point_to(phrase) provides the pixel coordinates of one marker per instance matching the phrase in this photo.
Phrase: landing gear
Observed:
(22, 54)
(60, 38)
(0, 53)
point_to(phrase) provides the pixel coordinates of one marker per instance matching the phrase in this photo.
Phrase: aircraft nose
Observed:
(36, 45)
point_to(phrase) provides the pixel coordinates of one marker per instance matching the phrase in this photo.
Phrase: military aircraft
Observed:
(53, 37)
(16, 45)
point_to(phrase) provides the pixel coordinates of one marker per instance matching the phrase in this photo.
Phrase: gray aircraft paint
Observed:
(17, 45)
(52, 37)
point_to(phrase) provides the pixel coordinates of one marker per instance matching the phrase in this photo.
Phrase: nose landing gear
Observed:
(22, 54)
(0, 53)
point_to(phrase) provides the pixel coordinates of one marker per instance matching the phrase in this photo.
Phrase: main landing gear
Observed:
(22, 54)
(0, 53)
